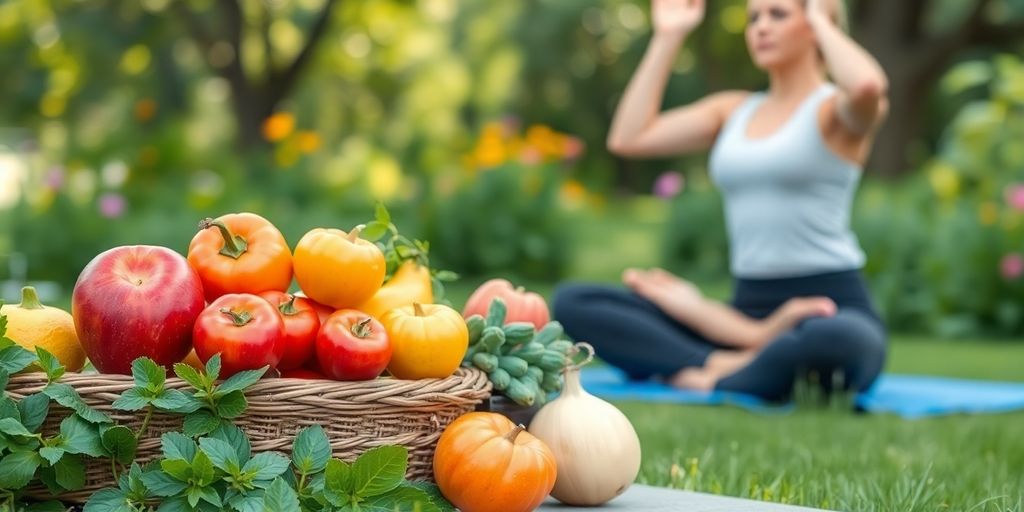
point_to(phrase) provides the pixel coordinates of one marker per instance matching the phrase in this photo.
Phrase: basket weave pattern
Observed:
(357, 416)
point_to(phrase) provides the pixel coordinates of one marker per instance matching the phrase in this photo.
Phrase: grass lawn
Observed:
(823, 458)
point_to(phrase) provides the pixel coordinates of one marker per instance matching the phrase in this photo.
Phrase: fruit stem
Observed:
(288, 308)
(240, 318)
(362, 329)
(354, 234)
(234, 245)
(29, 299)
(511, 436)
(418, 309)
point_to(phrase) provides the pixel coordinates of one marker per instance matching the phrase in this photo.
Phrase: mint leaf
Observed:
(4, 378)
(70, 472)
(200, 423)
(234, 436)
(34, 409)
(131, 400)
(48, 477)
(46, 506)
(120, 443)
(202, 469)
(222, 454)
(379, 470)
(50, 365)
(240, 381)
(381, 214)
(80, 436)
(108, 500)
(280, 497)
(338, 482)
(9, 409)
(52, 454)
(191, 375)
(206, 494)
(176, 504)
(178, 469)
(148, 375)
(374, 231)
(311, 450)
(13, 427)
(174, 400)
(246, 503)
(231, 405)
(66, 395)
(16, 469)
(267, 465)
(177, 446)
(400, 499)
(132, 484)
(162, 484)
(15, 359)
(213, 368)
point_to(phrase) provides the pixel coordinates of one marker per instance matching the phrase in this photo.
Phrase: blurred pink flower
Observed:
(669, 184)
(573, 148)
(112, 205)
(1015, 196)
(55, 178)
(530, 156)
(1012, 266)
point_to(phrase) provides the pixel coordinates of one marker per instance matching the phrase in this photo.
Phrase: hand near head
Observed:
(677, 17)
(818, 11)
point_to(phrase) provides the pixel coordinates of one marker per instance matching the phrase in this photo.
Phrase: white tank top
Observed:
(787, 196)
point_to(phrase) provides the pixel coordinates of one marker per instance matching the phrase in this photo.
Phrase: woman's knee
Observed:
(850, 335)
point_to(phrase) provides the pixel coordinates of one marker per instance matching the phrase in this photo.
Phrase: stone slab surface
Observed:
(643, 498)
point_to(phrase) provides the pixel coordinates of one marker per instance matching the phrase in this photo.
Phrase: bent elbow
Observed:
(870, 91)
(618, 147)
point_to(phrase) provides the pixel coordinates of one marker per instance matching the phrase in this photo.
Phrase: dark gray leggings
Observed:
(634, 335)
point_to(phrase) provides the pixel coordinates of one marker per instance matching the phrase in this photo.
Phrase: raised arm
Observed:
(639, 128)
(862, 102)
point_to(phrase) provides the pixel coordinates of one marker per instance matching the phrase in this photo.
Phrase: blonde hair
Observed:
(837, 11)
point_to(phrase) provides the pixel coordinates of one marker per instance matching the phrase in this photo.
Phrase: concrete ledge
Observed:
(656, 499)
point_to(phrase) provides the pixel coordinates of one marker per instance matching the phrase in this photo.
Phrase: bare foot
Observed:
(696, 379)
(675, 296)
(720, 364)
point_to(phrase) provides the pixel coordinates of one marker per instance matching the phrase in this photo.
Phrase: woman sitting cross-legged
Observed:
(787, 162)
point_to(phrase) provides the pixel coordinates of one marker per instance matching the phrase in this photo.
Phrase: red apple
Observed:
(136, 301)
(523, 306)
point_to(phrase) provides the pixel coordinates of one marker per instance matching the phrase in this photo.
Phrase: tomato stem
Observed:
(362, 329)
(240, 318)
(417, 309)
(354, 234)
(234, 245)
(288, 308)
(511, 436)
(29, 299)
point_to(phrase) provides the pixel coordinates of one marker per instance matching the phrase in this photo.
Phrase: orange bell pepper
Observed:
(245, 254)
(338, 269)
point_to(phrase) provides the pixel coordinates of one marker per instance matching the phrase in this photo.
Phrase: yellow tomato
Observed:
(338, 269)
(411, 283)
(428, 341)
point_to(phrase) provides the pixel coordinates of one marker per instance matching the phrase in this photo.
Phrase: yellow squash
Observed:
(409, 284)
(31, 324)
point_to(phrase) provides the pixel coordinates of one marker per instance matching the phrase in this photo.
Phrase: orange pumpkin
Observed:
(486, 463)
(338, 269)
(427, 340)
(245, 254)
(523, 306)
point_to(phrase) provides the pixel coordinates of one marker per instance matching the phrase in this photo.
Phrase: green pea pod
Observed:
(496, 313)
(519, 332)
(560, 346)
(492, 339)
(552, 361)
(551, 332)
(515, 366)
(476, 325)
(551, 383)
(500, 379)
(521, 392)
(535, 373)
(486, 362)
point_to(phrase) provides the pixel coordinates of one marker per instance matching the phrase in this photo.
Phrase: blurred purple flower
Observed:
(669, 184)
(1015, 196)
(55, 178)
(1012, 266)
(112, 205)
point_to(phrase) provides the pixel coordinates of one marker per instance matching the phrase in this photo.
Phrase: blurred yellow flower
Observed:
(308, 142)
(278, 126)
(573, 193)
(988, 213)
(944, 180)
(490, 153)
(384, 178)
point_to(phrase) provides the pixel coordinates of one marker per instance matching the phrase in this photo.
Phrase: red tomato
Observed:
(352, 345)
(321, 311)
(302, 373)
(245, 329)
(301, 324)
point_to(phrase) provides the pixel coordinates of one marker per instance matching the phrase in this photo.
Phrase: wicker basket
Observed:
(356, 415)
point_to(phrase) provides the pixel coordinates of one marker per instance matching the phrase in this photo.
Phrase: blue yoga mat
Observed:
(909, 396)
